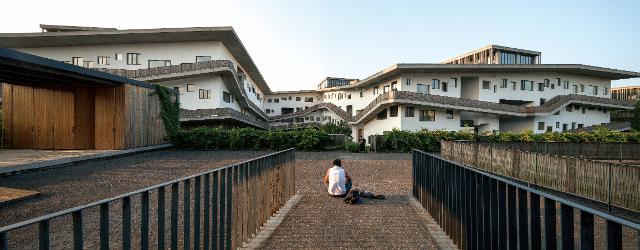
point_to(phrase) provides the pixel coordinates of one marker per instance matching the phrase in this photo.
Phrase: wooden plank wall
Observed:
(120, 117)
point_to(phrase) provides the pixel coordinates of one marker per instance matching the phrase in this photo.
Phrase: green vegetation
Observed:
(429, 140)
(351, 147)
(170, 112)
(635, 120)
(340, 128)
(249, 138)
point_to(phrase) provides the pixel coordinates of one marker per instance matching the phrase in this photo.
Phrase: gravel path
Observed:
(320, 221)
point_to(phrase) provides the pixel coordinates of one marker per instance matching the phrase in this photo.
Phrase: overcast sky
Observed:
(295, 44)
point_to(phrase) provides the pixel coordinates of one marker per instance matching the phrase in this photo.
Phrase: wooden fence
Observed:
(613, 183)
(592, 150)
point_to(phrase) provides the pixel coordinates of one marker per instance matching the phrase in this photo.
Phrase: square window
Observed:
(269, 100)
(541, 126)
(486, 84)
(408, 111)
(382, 115)
(393, 111)
(449, 113)
(77, 61)
(298, 99)
(104, 60)
(191, 87)
(427, 115)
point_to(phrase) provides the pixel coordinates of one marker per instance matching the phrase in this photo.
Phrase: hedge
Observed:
(429, 140)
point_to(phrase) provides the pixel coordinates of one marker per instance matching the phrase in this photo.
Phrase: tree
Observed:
(635, 120)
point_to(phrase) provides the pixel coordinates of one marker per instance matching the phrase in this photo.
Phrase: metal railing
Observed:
(480, 210)
(220, 209)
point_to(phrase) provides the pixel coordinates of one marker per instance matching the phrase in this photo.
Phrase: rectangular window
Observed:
(284, 98)
(407, 82)
(455, 82)
(575, 88)
(376, 90)
(444, 87)
(581, 87)
(573, 125)
(569, 108)
(104, 60)
(514, 85)
(159, 63)
(541, 126)
(542, 101)
(408, 111)
(308, 99)
(87, 64)
(298, 98)
(269, 100)
(546, 83)
(540, 86)
(76, 61)
(427, 115)
(605, 91)
(595, 90)
(504, 83)
(226, 97)
(495, 88)
(566, 85)
(553, 86)
(422, 89)
(382, 115)
(449, 113)
(191, 87)
(385, 89)
(204, 94)
(557, 124)
(203, 58)
(394, 86)
(584, 110)
(435, 84)
(564, 127)
(558, 82)
(580, 125)
(132, 58)
(276, 100)
(268, 111)
(349, 96)
(486, 84)
(393, 111)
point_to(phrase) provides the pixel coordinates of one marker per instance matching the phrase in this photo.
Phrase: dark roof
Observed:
(22, 68)
(137, 36)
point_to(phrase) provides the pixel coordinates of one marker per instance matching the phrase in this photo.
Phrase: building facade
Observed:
(494, 88)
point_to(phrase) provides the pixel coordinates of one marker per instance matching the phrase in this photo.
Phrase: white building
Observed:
(494, 88)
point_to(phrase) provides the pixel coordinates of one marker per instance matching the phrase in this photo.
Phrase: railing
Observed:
(591, 150)
(479, 210)
(229, 206)
(165, 70)
(186, 115)
(612, 183)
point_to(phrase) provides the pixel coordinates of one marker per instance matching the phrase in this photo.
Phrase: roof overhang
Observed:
(577, 69)
(226, 35)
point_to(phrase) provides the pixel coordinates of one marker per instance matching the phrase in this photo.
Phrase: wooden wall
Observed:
(119, 117)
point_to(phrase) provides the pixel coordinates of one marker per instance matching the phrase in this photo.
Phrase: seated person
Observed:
(338, 179)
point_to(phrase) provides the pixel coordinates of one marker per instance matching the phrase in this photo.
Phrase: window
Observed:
(203, 58)
(118, 57)
(87, 64)
(382, 115)
(455, 82)
(449, 113)
(540, 86)
(269, 100)
(444, 87)
(540, 125)
(584, 110)
(573, 125)
(542, 101)
(595, 90)
(132, 58)
(581, 87)
(289, 98)
(568, 108)
(268, 111)
(349, 96)
(558, 82)
(376, 90)
(407, 82)
(191, 87)
(394, 86)
(284, 98)
(495, 88)
(159, 63)
(308, 99)
(504, 83)
(361, 94)
(546, 83)
(422, 89)
(393, 111)
(76, 61)
(526, 85)
(427, 115)
(408, 111)
(276, 100)
(298, 99)
(580, 125)
(435, 84)
(605, 90)
(226, 97)
(104, 60)
(486, 84)
(514, 85)
(204, 94)
(385, 89)
(564, 127)
(566, 85)
(553, 86)
(575, 88)
(557, 124)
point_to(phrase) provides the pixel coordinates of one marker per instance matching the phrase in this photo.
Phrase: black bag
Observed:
(352, 197)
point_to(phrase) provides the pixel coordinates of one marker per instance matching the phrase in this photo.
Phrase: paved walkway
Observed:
(320, 221)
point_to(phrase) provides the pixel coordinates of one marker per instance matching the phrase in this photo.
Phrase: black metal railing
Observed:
(479, 210)
(220, 209)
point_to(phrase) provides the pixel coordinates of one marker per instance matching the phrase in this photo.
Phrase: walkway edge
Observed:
(57, 162)
(272, 224)
(437, 234)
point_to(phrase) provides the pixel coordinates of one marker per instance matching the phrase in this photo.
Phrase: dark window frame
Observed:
(133, 58)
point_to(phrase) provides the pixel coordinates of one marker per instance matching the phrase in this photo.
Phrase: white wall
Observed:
(192, 101)
(277, 107)
(441, 122)
(590, 117)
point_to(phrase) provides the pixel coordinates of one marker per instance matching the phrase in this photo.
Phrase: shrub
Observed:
(341, 128)
(635, 120)
(351, 147)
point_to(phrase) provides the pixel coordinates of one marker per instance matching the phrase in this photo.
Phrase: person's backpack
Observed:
(352, 197)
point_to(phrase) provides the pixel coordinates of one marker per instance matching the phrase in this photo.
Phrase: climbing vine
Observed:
(170, 110)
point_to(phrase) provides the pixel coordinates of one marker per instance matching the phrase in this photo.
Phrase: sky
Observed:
(297, 43)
